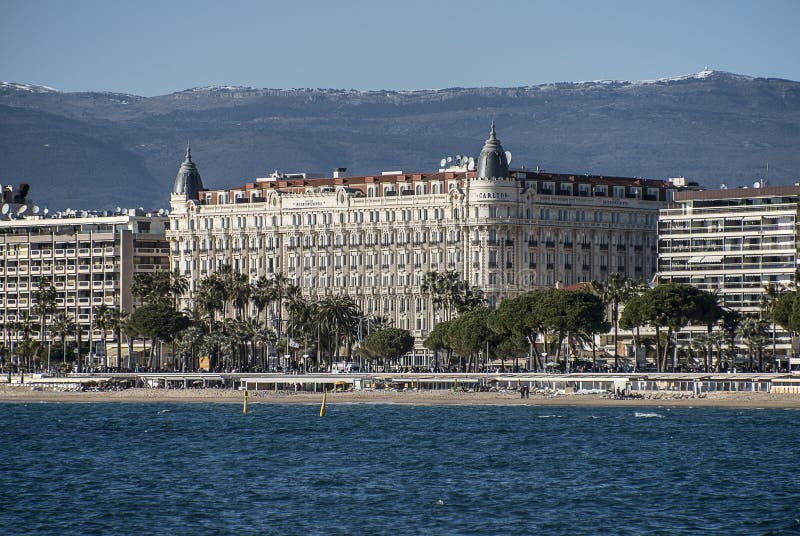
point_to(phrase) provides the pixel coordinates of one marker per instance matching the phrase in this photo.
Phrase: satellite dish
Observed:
(723, 186)
(21, 210)
(118, 210)
(35, 209)
(508, 157)
(449, 159)
(443, 162)
(471, 164)
(757, 184)
(4, 210)
(46, 211)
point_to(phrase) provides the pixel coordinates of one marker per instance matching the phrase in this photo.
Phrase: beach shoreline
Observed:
(23, 394)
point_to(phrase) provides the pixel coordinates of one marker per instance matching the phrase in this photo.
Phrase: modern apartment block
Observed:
(89, 256)
(735, 242)
(374, 237)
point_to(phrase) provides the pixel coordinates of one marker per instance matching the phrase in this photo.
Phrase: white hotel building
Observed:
(374, 237)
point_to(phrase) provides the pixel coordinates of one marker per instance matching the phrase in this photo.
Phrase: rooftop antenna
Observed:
(766, 175)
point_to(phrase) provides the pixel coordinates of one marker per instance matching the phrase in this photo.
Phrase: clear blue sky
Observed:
(156, 47)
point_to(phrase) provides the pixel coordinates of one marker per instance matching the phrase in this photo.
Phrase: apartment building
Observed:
(734, 242)
(90, 257)
(374, 237)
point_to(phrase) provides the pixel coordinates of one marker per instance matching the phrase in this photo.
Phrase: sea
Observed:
(126, 468)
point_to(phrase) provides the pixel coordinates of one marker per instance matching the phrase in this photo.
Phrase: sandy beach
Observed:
(230, 396)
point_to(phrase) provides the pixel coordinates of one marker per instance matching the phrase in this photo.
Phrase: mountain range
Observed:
(100, 150)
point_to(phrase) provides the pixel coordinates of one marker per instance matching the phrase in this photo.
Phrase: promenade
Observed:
(642, 386)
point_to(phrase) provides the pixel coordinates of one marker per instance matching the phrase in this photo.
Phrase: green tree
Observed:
(338, 317)
(613, 292)
(388, 345)
(436, 341)
(45, 297)
(62, 326)
(159, 322)
(754, 333)
(522, 316)
(469, 334)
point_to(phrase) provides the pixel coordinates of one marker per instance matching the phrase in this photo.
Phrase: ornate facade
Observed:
(374, 237)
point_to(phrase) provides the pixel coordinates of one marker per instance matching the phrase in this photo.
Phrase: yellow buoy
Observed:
(324, 401)
(244, 407)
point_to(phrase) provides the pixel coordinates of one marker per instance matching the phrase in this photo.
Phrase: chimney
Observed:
(339, 172)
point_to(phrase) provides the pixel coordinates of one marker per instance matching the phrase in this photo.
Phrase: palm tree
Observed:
(338, 315)
(613, 292)
(636, 287)
(45, 296)
(62, 326)
(753, 331)
(210, 297)
(103, 322)
(262, 294)
(179, 284)
(282, 290)
(768, 300)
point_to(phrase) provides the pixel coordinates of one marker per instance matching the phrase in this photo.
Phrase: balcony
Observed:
(604, 247)
(621, 247)
(492, 264)
(532, 265)
(533, 243)
(550, 244)
(550, 265)
(509, 264)
(568, 245)
(509, 242)
(586, 246)
(586, 267)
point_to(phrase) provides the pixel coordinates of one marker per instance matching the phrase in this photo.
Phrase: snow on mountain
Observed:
(27, 87)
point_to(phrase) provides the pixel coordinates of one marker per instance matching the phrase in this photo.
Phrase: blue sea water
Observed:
(388, 469)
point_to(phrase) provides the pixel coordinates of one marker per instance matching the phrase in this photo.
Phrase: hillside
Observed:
(105, 149)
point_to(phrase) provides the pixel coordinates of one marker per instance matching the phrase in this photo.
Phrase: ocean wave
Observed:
(648, 415)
